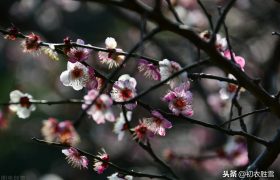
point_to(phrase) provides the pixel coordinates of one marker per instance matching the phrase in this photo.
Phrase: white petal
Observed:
(15, 95)
(23, 113)
(65, 78)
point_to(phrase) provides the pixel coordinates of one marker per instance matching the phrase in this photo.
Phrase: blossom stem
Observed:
(147, 147)
(124, 171)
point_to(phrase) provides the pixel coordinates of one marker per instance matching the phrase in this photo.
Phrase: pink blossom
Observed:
(236, 152)
(240, 61)
(100, 166)
(101, 109)
(149, 69)
(63, 132)
(120, 126)
(124, 90)
(157, 124)
(31, 43)
(221, 42)
(180, 100)
(112, 58)
(92, 80)
(13, 32)
(78, 54)
(74, 158)
(141, 132)
(168, 68)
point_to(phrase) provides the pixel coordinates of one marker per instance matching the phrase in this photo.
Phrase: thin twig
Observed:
(175, 14)
(67, 101)
(221, 20)
(119, 169)
(184, 119)
(209, 17)
(245, 115)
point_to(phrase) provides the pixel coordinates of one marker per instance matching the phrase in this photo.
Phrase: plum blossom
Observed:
(118, 176)
(228, 90)
(141, 132)
(110, 43)
(63, 132)
(74, 158)
(180, 100)
(120, 125)
(112, 58)
(31, 43)
(76, 75)
(101, 109)
(100, 166)
(240, 61)
(21, 104)
(13, 32)
(78, 54)
(92, 80)
(168, 68)
(157, 123)
(235, 151)
(124, 90)
(221, 42)
(150, 70)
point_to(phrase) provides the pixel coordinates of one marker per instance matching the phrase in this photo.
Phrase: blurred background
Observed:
(250, 25)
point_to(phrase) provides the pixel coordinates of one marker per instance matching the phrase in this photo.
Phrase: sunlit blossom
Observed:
(111, 58)
(168, 68)
(76, 75)
(101, 109)
(63, 132)
(150, 70)
(180, 100)
(100, 166)
(141, 132)
(74, 158)
(121, 126)
(31, 43)
(157, 123)
(78, 54)
(124, 90)
(21, 104)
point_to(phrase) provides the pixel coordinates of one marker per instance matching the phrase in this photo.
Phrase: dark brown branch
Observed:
(184, 119)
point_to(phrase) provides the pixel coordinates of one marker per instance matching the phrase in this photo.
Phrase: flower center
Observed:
(99, 104)
(125, 127)
(79, 54)
(24, 102)
(157, 121)
(180, 103)
(77, 73)
(126, 93)
(231, 88)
